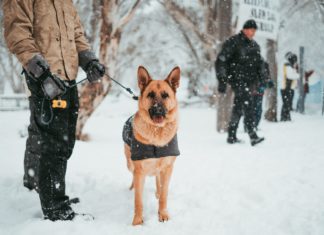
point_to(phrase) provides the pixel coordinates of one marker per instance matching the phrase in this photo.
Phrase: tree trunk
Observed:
(211, 11)
(95, 21)
(91, 95)
(271, 94)
(11, 73)
(2, 79)
(2, 74)
(225, 101)
(2, 85)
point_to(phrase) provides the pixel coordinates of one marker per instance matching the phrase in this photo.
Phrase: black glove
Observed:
(222, 87)
(89, 63)
(37, 66)
(95, 71)
(306, 88)
(53, 86)
(270, 84)
(38, 69)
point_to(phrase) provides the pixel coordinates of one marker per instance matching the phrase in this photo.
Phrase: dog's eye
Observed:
(151, 95)
(164, 95)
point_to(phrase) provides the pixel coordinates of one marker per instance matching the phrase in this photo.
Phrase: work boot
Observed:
(67, 214)
(255, 139)
(63, 213)
(233, 140)
(62, 210)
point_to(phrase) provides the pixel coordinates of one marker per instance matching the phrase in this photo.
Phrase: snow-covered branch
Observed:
(129, 15)
(320, 6)
(180, 16)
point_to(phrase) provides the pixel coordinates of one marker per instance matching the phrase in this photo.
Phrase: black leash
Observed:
(69, 87)
(135, 97)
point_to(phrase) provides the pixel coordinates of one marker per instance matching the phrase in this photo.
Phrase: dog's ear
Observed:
(174, 78)
(143, 78)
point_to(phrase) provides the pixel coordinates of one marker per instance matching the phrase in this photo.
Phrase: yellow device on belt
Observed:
(60, 104)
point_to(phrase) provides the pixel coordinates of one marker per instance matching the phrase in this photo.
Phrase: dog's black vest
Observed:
(141, 151)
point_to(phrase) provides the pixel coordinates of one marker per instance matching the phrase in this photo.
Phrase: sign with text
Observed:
(264, 12)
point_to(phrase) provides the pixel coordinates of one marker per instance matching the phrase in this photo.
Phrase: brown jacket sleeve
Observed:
(80, 40)
(18, 29)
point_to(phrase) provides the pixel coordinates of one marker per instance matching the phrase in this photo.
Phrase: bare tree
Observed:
(320, 6)
(115, 15)
(210, 28)
(2, 83)
(10, 69)
(197, 23)
(205, 32)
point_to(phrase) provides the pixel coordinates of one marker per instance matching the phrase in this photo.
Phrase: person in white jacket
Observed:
(289, 83)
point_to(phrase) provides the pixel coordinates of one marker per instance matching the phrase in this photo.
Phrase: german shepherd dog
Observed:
(150, 138)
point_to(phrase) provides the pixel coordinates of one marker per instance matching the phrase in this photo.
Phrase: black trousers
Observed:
(49, 146)
(287, 96)
(243, 105)
(257, 109)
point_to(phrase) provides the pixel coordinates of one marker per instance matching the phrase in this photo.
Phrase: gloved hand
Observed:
(89, 63)
(260, 90)
(38, 69)
(222, 87)
(37, 66)
(53, 86)
(95, 71)
(306, 88)
(308, 74)
(270, 84)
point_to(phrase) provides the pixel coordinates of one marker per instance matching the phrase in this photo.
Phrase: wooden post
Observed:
(271, 113)
(323, 99)
(301, 99)
(225, 101)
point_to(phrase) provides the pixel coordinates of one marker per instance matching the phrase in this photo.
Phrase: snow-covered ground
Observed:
(274, 188)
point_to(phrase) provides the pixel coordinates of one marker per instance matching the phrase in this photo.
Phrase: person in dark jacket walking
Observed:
(239, 64)
(48, 40)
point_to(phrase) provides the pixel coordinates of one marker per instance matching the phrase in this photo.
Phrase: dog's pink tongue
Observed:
(158, 119)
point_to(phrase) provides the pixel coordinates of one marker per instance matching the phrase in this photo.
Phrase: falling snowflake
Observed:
(31, 172)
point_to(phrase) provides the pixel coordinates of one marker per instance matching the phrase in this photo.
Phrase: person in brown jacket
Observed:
(48, 39)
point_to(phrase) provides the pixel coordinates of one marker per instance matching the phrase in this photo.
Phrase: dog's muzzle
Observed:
(157, 113)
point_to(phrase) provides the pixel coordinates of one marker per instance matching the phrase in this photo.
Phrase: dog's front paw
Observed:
(163, 216)
(138, 220)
